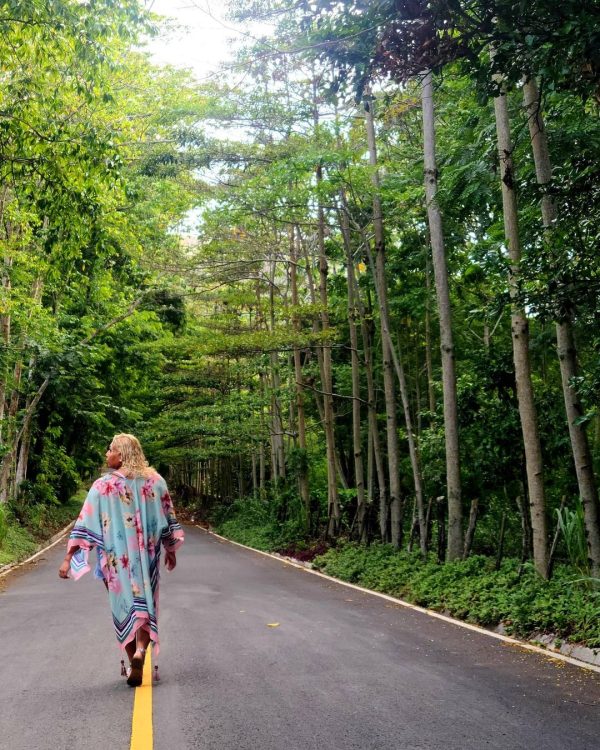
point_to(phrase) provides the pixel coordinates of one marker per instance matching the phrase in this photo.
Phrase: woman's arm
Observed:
(63, 571)
(170, 560)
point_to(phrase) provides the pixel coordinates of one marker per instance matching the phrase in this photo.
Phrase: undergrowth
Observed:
(473, 590)
(23, 526)
(252, 522)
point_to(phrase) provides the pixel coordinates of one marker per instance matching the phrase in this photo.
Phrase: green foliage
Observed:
(475, 591)
(18, 544)
(27, 522)
(3, 525)
(572, 528)
(40, 518)
(257, 522)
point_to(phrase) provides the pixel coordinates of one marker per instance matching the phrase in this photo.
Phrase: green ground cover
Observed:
(24, 526)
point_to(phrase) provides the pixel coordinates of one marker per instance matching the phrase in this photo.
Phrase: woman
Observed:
(127, 515)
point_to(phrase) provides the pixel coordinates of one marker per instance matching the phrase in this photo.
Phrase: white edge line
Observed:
(58, 537)
(430, 612)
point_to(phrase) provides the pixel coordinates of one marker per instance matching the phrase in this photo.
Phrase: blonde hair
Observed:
(134, 463)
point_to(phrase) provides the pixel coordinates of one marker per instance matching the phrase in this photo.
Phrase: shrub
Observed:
(475, 591)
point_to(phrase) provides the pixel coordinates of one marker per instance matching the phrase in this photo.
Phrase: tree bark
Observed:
(278, 452)
(353, 315)
(372, 417)
(455, 535)
(318, 396)
(428, 357)
(470, 533)
(396, 499)
(520, 341)
(567, 352)
(303, 486)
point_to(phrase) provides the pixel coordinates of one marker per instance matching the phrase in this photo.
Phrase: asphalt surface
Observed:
(341, 670)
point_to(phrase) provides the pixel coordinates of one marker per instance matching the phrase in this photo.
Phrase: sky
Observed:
(205, 39)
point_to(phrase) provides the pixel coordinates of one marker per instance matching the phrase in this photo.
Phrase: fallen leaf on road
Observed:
(272, 624)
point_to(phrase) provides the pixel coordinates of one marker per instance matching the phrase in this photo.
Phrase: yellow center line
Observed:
(141, 724)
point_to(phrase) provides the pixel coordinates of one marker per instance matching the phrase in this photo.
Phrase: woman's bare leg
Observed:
(130, 650)
(143, 638)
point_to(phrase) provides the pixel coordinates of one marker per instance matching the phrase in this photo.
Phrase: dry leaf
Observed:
(272, 624)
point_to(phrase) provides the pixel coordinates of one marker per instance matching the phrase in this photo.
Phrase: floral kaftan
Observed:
(127, 521)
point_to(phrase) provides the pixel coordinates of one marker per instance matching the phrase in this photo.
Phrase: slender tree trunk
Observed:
(428, 348)
(278, 450)
(324, 361)
(5, 326)
(262, 451)
(254, 475)
(372, 416)
(567, 352)
(353, 315)
(470, 533)
(333, 503)
(303, 486)
(374, 427)
(396, 499)
(520, 340)
(455, 535)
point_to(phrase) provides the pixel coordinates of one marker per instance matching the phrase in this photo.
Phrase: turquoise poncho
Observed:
(127, 521)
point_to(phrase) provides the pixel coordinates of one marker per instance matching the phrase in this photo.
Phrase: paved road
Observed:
(342, 671)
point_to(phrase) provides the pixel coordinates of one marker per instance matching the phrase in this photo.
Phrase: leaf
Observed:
(272, 624)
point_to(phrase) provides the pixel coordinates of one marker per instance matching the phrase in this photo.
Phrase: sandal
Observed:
(136, 670)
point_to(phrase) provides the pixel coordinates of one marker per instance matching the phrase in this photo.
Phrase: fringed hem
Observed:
(141, 621)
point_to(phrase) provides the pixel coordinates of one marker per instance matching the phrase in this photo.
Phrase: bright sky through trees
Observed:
(200, 38)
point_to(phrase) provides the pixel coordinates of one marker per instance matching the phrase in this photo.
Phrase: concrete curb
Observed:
(52, 542)
(586, 658)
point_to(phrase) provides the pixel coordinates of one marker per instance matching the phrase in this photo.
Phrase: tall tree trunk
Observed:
(396, 499)
(455, 534)
(278, 451)
(5, 326)
(520, 341)
(303, 486)
(324, 361)
(428, 357)
(567, 352)
(378, 457)
(254, 475)
(353, 315)
(333, 503)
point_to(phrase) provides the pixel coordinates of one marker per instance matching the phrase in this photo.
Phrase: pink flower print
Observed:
(85, 511)
(139, 531)
(129, 520)
(167, 503)
(106, 487)
(135, 589)
(151, 547)
(114, 584)
(87, 508)
(148, 489)
(124, 561)
(118, 485)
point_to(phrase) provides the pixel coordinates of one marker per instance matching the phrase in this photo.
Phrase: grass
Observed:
(20, 536)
